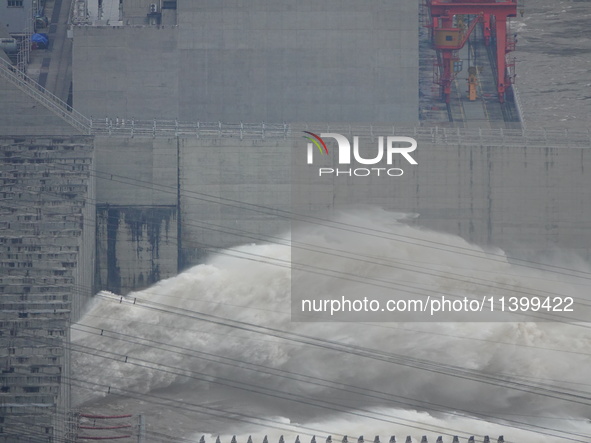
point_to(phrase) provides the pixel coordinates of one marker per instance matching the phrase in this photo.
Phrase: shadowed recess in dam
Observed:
(219, 337)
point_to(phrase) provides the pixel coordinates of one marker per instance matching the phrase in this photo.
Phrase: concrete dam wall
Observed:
(47, 255)
(137, 203)
(527, 193)
(259, 61)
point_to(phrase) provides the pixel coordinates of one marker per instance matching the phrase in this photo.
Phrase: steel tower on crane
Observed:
(448, 22)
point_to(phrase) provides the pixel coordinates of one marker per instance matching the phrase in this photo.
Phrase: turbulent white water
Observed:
(199, 364)
(197, 377)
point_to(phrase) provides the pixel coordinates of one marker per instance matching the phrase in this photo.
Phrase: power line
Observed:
(258, 389)
(346, 227)
(373, 354)
(387, 284)
(415, 269)
(316, 381)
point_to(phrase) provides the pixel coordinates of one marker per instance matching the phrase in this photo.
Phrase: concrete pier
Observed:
(46, 276)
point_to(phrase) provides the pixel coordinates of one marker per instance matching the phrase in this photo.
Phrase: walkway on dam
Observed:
(52, 67)
(430, 134)
(158, 128)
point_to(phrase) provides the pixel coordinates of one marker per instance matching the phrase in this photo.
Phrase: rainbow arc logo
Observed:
(317, 140)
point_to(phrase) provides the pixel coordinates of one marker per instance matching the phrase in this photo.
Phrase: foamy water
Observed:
(196, 368)
(240, 377)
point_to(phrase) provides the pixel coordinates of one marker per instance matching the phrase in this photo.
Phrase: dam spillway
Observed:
(162, 189)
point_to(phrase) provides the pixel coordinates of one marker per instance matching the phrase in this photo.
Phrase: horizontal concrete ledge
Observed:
(261, 131)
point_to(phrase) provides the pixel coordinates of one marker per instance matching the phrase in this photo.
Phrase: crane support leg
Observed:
(486, 28)
(501, 34)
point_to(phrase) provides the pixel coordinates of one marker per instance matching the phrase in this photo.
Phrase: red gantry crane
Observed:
(450, 34)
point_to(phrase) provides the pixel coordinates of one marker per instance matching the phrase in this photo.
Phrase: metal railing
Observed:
(174, 128)
(426, 134)
(24, 50)
(557, 138)
(44, 97)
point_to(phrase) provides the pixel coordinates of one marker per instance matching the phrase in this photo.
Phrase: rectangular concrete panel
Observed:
(127, 72)
(136, 171)
(232, 192)
(23, 115)
(521, 192)
(259, 61)
(307, 61)
(521, 198)
(136, 246)
(137, 195)
(17, 19)
(46, 261)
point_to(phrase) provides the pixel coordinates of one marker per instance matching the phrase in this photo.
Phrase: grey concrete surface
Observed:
(523, 199)
(232, 192)
(136, 171)
(129, 72)
(137, 212)
(46, 263)
(262, 61)
(136, 246)
(17, 19)
(165, 202)
(22, 115)
(521, 195)
(59, 71)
